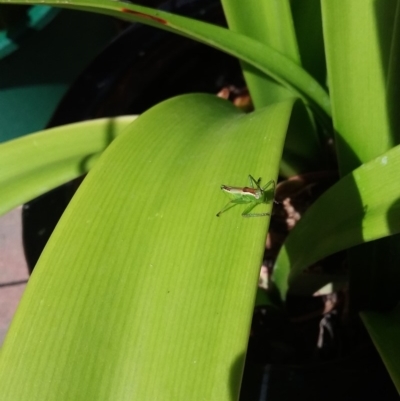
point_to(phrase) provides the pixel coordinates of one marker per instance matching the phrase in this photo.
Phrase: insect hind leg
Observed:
(268, 184)
(247, 211)
(228, 206)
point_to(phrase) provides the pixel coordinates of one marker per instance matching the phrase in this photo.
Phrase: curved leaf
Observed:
(261, 56)
(142, 292)
(361, 207)
(37, 163)
(270, 23)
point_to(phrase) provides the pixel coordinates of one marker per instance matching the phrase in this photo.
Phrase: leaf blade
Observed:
(150, 281)
(37, 163)
(261, 56)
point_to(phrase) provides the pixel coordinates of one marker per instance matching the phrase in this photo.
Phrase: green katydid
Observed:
(246, 195)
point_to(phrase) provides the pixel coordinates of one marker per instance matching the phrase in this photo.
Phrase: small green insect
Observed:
(252, 196)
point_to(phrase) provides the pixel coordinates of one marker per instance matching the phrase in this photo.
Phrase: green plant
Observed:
(142, 293)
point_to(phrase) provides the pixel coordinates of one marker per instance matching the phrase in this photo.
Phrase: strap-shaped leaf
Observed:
(142, 292)
(37, 163)
(261, 56)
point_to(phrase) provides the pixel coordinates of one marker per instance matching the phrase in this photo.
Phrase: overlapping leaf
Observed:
(142, 292)
(37, 163)
(261, 56)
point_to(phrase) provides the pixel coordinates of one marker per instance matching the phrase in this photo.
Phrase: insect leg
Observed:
(268, 184)
(254, 182)
(247, 211)
(228, 206)
(273, 190)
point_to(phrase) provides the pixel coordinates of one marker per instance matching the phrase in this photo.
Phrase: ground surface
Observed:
(13, 269)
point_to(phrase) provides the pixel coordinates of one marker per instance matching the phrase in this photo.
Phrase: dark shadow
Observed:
(393, 217)
(13, 283)
(17, 21)
(307, 20)
(386, 274)
(347, 159)
(374, 274)
(385, 13)
(306, 150)
(110, 134)
(284, 364)
(235, 376)
(48, 69)
(349, 198)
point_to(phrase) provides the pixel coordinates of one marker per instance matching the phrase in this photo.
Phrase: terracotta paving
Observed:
(13, 269)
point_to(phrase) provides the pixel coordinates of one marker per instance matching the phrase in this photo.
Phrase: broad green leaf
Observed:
(37, 163)
(384, 329)
(261, 56)
(270, 22)
(142, 292)
(361, 207)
